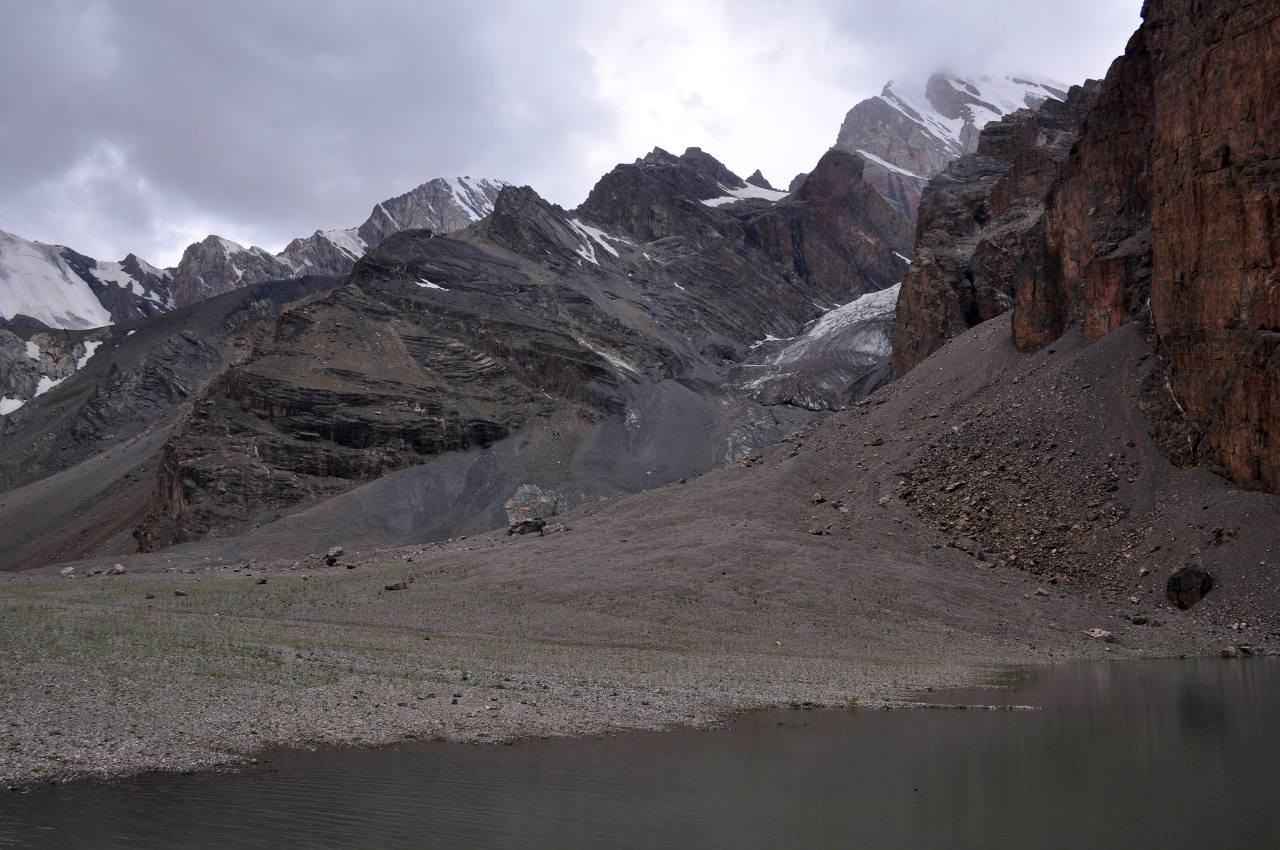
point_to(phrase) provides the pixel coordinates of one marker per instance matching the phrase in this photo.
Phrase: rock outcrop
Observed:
(981, 220)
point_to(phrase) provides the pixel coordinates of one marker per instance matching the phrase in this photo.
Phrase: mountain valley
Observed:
(971, 394)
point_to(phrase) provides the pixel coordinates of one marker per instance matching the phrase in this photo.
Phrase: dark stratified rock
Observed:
(1188, 586)
(797, 182)
(980, 222)
(757, 179)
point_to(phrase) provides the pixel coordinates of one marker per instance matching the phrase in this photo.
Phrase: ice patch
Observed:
(426, 284)
(744, 192)
(45, 384)
(90, 348)
(838, 321)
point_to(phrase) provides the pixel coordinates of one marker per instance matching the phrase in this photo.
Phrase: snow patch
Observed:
(9, 405)
(33, 350)
(90, 348)
(45, 384)
(591, 234)
(229, 247)
(902, 257)
(426, 284)
(744, 192)
(347, 241)
(611, 358)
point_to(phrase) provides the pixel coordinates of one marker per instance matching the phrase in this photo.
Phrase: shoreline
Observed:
(129, 685)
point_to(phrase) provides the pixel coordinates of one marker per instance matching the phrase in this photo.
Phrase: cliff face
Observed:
(1167, 213)
(1215, 287)
(1170, 199)
(981, 221)
(1096, 260)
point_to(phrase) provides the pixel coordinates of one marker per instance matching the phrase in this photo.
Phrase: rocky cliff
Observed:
(981, 220)
(1164, 214)
(604, 326)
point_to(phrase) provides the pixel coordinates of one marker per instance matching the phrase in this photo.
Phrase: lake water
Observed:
(1158, 754)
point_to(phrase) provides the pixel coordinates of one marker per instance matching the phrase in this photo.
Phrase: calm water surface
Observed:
(1161, 754)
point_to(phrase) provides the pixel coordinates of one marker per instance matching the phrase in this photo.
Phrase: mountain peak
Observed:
(913, 129)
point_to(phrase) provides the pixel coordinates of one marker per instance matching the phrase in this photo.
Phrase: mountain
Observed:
(909, 133)
(51, 286)
(1180, 143)
(573, 354)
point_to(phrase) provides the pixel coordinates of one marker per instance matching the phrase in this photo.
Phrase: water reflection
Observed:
(1170, 754)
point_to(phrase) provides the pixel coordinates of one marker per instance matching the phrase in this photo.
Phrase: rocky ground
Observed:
(986, 511)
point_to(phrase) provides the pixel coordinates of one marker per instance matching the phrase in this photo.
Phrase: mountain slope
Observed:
(612, 327)
(909, 133)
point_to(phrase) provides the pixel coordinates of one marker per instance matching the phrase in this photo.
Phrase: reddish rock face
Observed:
(1170, 202)
(1097, 255)
(1215, 289)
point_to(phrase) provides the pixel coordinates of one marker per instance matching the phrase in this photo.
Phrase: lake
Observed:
(1154, 754)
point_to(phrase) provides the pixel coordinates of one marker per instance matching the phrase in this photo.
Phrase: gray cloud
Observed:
(143, 124)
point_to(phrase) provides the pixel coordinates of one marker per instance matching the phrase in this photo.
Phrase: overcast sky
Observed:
(143, 125)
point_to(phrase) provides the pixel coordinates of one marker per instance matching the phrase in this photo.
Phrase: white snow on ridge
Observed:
(884, 163)
(1006, 94)
(744, 192)
(36, 281)
(229, 247)
(348, 241)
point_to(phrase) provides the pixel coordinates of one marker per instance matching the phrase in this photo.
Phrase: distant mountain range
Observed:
(55, 286)
(908, 134)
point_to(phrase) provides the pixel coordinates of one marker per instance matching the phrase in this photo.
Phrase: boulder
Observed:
(1188, 586)
(528, 526)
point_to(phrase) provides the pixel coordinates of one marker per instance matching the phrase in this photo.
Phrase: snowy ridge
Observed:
(984, 99)
(37, 281)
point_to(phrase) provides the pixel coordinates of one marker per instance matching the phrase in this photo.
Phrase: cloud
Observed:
(138, 125)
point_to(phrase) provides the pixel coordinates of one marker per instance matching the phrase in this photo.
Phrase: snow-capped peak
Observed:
(947, 104)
